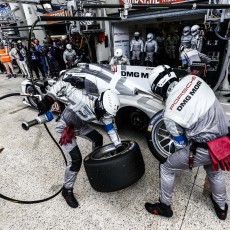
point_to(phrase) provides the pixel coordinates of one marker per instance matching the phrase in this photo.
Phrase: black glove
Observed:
(45, 105)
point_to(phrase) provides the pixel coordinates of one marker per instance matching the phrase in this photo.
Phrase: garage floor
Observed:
(32, 168)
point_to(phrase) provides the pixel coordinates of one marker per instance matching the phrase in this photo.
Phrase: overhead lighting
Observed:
(46, 5)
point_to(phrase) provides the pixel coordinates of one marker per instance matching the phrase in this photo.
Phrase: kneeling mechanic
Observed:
(79, 110)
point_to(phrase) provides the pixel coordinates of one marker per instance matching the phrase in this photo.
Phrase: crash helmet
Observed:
(63, 37)
(69, 47)
(110, 103)
(195, 30)
(118, 53)
(136, 35)
(161, 78)
(149, 37)
(186, 30)
(19, 42)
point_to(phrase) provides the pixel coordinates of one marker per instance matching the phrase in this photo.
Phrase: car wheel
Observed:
(138, 120)
(32, 100)
(158, 138)
(109, 170)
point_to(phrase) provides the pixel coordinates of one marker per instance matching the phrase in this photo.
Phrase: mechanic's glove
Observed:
(67, 135)
(45, 105)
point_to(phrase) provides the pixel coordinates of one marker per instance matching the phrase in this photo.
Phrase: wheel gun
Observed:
(46, 117)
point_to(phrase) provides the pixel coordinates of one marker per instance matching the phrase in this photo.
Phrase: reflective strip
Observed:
(49, 116)
(108, 127)
(180, 139)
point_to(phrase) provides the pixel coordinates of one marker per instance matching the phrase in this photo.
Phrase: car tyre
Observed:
(158, 138)
(109, 170)
(32, 100)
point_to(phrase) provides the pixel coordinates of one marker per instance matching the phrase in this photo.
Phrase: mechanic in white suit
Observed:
(119, 58)
(189, 55)
(136, 48)
(150, 48)
(192, 115)
(69, 56)
(80, 109)
(197, 38)
(186, 37)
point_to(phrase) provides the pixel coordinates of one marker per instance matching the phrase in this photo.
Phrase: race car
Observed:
(140, 108)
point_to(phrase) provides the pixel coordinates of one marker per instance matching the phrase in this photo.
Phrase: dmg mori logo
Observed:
(134, 74)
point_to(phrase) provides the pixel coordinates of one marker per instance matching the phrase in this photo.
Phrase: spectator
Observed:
(41, 55)
(35, 62)
(5, 59)
(58, 54)
(52, 62)
(21, 57)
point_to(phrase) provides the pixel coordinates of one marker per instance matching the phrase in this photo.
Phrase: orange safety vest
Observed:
(4, 55)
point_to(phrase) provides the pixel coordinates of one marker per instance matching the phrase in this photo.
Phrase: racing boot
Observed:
(222, 214)
(69, 197)
(159, 209)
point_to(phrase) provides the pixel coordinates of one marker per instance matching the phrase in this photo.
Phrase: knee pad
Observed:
(76, 157)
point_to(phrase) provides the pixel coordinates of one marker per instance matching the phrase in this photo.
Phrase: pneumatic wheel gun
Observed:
(46, 117)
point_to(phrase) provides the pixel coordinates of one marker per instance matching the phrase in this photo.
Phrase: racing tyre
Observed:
(109, 170)
(158, 138)
(32, 100)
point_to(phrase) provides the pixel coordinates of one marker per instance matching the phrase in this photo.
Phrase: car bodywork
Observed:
(129, 82)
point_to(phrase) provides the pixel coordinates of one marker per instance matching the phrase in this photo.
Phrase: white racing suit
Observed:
(197, 42)
(136, 47)
(188, 56)
(186, 40)
(69, 56)
(192, 112)
(20, 56)
(122, 61)
(150, 48)
(80, 109)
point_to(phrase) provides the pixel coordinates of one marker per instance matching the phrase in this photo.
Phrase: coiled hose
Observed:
(41, 200)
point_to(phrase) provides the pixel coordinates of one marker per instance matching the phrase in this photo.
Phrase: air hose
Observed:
(32, 201)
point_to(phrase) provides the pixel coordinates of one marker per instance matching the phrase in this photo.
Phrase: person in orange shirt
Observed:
(6, 61)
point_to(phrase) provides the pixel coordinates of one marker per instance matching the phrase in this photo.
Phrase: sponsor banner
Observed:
(138, 74)
(55, 13)
(154, 1)
(112, 11)
(121, 38)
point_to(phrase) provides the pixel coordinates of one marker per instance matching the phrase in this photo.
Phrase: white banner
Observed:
(121, 38)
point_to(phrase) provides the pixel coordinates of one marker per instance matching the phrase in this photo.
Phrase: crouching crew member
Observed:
(194, 118)
(119, 58)
(79, 110)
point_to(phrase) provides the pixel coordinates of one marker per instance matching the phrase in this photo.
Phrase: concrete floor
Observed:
(32, 168)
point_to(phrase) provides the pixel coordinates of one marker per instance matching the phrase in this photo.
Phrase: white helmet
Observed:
(160, 79)
(118, 53)
(136, 34)
(195, 30)
(186, 30)
(110, 102)
(68, 46)
(63, 37)
(150, 37)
